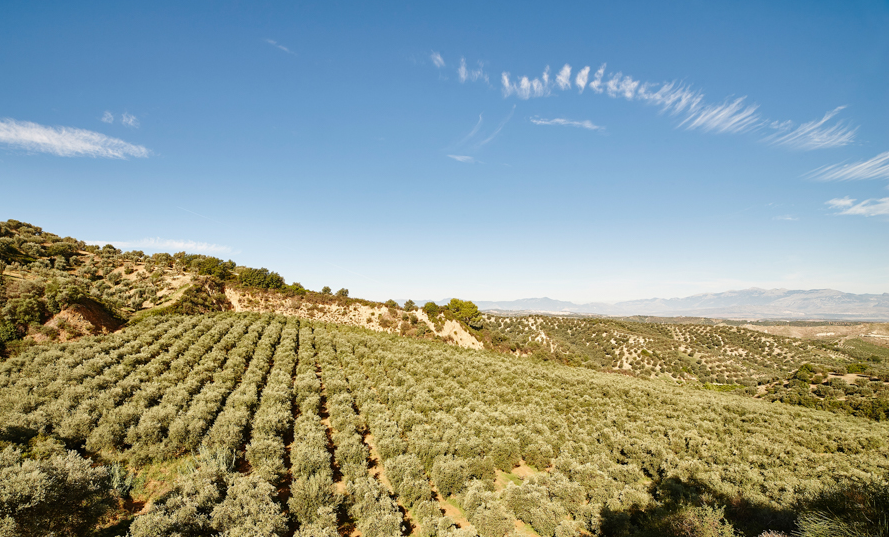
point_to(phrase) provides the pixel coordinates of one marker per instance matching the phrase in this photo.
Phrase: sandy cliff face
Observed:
(374, 318)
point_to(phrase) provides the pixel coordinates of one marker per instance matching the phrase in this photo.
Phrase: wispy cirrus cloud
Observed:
(66, 141)
(129, 120)
(584, 124)
(729, 117)
(563, 79)
(786, 218)
(814, 134)
(279, 46)
(875, 168)
(464, 73)
(437, 60)
(582, 76)
(472, 133)
(463, 158)
(525, 88)
(869, 207)
(499, 128)
(734, 115)
(107, 117)
(168, 244)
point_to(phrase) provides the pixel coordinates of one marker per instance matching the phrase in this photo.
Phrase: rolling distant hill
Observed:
(748, 303)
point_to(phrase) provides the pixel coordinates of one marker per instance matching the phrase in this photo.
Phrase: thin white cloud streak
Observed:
(168, 244)
(465, 74)
(107, 117)
(786, 218)
(437, 59)
(129, 120)
(875, 168)
(499, 127)
(472, 133)
(463, 158)
(66, 141)
(870, 207)
(279, 46)
(582, 76)
(584, 124)
(814, 134)
(672, 97)
(732, 116)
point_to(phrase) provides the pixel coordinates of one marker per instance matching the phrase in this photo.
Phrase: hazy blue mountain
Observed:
(746, 303)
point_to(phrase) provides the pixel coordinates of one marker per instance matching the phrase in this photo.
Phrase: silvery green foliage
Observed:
(122, 479)
(450, 475)
(371, 506)
(61, 495)
(310, 495)
(274, 416)
(587, 443)
(55, 374)
(210, 499)
(248, 509)
(531, 504)
(187, 509)
(313, 501)
(188, 428)
(230, 426)
(178, 384)
(112, 426)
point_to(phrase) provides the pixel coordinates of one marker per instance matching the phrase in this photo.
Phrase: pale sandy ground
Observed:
(353, 315)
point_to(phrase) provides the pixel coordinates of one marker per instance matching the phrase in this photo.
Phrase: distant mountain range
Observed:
(751, 303)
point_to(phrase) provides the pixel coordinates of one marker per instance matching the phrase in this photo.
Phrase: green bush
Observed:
(431, 309)
(260, 278)
(848, 508)
(704, 521)
(61, 495)
(449, 475)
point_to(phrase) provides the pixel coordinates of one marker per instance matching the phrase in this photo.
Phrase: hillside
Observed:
(852, 369)
(182, 394)
(55, 288)
(744, 304)
(235, 422)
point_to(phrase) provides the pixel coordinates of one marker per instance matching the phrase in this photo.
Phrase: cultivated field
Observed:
(235, 423)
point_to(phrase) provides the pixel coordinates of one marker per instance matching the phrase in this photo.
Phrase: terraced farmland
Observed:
(245, 424)
(681, 352)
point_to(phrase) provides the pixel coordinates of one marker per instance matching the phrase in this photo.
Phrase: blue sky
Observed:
(421, 150)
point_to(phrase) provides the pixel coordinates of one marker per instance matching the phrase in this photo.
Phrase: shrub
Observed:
(466, 311)
(261, 278)
(491, 520)
(848, 508)
(62, 495)
(249, 509)
(309, 496)
(702, 521)
(449, 475)
(431, 309)
(344, 293)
